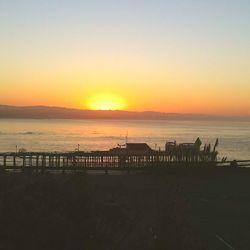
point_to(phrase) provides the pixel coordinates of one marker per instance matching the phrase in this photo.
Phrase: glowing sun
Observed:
(106, 102)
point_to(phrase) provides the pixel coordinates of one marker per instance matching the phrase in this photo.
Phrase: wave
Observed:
(21, 133)
(29, 133)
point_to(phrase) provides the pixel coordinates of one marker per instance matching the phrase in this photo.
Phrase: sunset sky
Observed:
(174, 56)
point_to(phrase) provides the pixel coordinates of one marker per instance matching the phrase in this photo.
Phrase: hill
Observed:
(45, 112)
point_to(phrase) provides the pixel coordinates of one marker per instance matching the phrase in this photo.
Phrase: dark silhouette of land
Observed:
(180, 211)
(44, 112)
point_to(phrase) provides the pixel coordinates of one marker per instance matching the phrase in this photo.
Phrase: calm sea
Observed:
(65, 135)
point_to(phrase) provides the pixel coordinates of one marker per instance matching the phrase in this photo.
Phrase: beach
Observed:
(183, 210)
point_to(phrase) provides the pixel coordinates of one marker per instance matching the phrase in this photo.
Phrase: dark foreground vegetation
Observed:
(191, 210)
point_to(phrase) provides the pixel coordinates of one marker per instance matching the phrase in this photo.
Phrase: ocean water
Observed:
(65, 135)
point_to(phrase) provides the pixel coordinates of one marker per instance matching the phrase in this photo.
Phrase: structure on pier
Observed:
(124, 156)
(191, 152)
(132, 148)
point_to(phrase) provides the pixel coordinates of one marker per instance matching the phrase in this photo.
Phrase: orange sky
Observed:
(160, 56)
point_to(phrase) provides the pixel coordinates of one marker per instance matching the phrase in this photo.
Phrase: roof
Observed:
(138, 147)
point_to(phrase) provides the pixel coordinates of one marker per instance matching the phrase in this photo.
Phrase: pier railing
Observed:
(103, 160)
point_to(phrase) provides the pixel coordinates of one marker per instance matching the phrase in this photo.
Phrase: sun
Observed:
(106, 102)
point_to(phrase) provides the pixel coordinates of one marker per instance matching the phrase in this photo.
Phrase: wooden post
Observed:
(37, 161)
(44, 161)
(24, 161)
(5, 161)
(30, 160)
(14, 161)
(50, 161)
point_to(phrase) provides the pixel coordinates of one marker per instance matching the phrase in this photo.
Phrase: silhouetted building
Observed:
(172, 146)
(138, 148)
(131, 148)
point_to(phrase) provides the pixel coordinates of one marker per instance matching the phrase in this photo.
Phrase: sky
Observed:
(188, 56)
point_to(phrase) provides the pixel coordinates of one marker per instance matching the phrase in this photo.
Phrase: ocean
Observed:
(65, 135)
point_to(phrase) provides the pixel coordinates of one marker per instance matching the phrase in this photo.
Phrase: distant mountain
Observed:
(45, 112)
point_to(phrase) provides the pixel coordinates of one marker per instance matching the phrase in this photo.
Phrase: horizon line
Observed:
(131, 111)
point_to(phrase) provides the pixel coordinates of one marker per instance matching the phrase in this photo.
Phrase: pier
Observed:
(104, 160)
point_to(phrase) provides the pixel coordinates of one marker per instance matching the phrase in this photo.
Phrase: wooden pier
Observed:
(102, 160)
